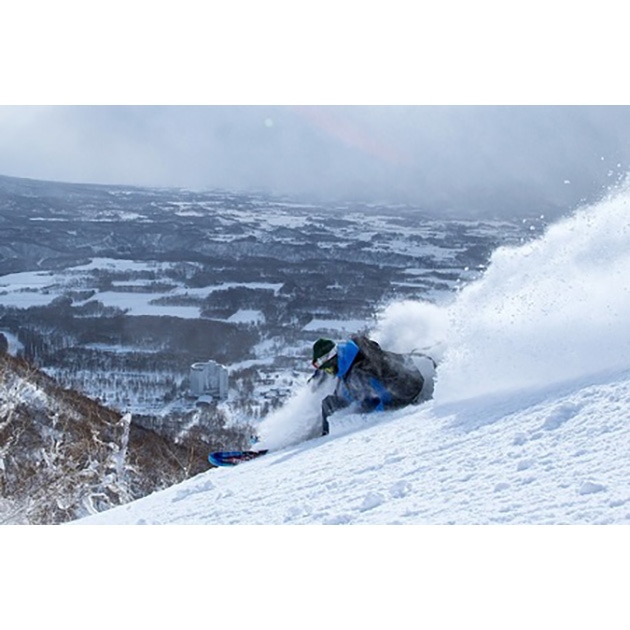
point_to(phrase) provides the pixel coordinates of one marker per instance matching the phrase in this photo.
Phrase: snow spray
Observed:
(552, 310)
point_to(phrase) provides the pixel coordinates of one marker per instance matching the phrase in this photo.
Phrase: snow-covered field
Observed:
(40, 288)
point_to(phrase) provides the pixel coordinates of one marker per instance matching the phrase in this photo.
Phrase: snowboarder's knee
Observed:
(330, 404)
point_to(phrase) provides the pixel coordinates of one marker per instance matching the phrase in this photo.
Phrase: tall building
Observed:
(209, 379)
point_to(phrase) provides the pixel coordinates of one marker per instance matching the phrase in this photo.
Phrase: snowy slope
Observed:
(548, 457)
(530, 423)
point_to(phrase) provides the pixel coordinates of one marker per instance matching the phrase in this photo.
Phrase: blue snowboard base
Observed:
(233, 458)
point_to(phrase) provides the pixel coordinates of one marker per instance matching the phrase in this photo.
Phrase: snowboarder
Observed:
(374, 378)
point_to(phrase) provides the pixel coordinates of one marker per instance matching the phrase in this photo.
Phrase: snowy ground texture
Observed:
(530, 423)
(549, 457)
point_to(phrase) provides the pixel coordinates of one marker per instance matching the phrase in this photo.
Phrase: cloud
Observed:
(435, 157)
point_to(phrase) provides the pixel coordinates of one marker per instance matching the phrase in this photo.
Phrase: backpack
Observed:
(398, 373)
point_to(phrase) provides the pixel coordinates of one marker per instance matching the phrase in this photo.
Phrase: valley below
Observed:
(116, 291)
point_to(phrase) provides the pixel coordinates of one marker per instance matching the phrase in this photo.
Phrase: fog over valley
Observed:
(479, 159)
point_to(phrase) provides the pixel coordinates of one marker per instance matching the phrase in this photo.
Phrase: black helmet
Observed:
(324, 354)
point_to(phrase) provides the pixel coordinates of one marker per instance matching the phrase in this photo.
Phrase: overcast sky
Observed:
(426, 155)
(272, 52)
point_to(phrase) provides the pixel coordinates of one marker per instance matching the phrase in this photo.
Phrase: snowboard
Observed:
(233, 458)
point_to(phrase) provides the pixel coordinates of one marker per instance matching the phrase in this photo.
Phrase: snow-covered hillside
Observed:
(529, 424)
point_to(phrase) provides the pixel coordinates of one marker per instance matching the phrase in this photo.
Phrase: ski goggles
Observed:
(319, 362)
